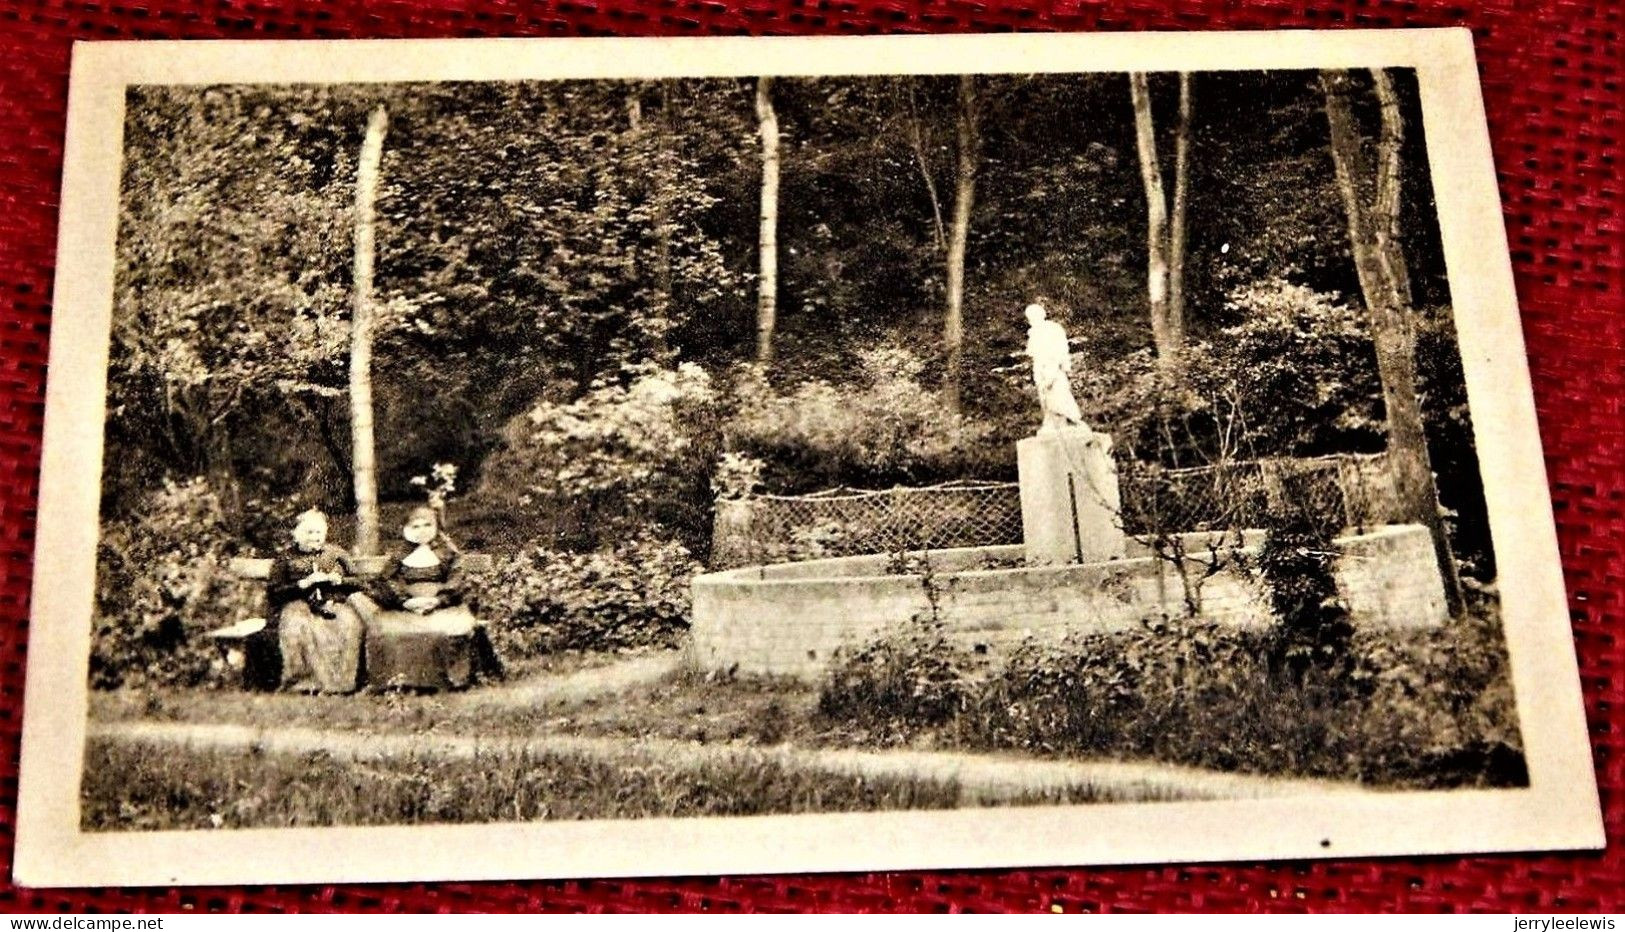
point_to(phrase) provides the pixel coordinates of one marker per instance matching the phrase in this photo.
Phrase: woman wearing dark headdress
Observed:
(317, 630)
(424, 634)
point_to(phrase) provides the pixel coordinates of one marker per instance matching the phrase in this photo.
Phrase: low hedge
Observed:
(1419, 708)
(543, 600)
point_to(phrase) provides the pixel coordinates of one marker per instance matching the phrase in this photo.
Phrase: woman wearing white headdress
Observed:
(424, 634)
(317, 630)
(1052, 370)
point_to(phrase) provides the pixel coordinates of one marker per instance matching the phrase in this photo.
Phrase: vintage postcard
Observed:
(496, 459)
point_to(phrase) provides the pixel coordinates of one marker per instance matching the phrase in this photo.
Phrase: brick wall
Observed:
(793, 618)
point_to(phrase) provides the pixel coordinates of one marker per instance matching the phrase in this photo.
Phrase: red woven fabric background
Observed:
(1551, 72)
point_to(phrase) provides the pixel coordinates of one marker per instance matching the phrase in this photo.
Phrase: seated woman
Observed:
(318, 632)
(424, 634)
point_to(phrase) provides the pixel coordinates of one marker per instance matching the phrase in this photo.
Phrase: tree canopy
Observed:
(551, 252)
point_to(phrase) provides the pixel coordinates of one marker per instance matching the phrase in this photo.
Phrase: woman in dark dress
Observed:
(317, 630)
(424, 635)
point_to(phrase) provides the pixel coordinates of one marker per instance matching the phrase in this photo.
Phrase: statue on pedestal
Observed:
(1052, 368)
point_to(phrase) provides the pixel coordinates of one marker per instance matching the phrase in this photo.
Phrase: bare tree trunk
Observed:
(361, 321)
(768, 241)
(664, 221)
(1176, 222)
(1156, 219)
(953, 323)
(659, 214)
(1389, 145)
(221, 471)
(634, 109)
(1391, 332)
(921, 158)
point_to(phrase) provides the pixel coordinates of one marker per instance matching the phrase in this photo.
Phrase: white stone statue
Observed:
(1052, 368)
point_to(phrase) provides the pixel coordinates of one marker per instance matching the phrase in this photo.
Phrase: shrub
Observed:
(1297, 377)
(1452, 717)
(1428, 708)
(633, 595)
(161, 582)
(883, 428)
(1296, 561)
(891, 687)
(633, 450)
(1117, 693)
(1305, 364)
(737, 475)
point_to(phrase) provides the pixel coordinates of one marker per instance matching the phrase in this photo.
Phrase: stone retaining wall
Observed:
(793, 618)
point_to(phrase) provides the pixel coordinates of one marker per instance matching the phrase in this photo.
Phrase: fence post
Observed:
(1347, 479)
(733, 541)
(1274, 491)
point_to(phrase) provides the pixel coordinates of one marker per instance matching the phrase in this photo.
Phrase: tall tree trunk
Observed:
(1156, 221)
(663, 217)
(953, 323)
(221, 471)
(1391, 332)
(1388, 195)
(916, 133)
(659, 214)
(361, 321)
(768, 238)
(634, 109)
(1176, 220)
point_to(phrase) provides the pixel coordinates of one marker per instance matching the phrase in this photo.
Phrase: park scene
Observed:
(496, 452)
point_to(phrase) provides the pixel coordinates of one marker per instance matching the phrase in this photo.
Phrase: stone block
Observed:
(1070, 508)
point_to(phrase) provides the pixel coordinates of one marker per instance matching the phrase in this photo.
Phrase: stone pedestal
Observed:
(1070, 509)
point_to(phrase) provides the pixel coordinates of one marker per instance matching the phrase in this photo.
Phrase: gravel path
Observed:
(532, 691)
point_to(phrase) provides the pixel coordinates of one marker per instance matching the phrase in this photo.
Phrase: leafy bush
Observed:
(893, 686)
(633, 595)
(1297, 377)
(1305, 364)
(737, 475)
(884, 428)
(631, 451)
(1429, 708)
(1297, 560)
(1113, 692)
(1451, 709)
(161, 582)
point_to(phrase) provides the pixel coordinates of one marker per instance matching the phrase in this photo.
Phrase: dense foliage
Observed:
(1429, 707)
(914, 678)
(634, 595)
(884, 427)
(163, 582)
(538, 239)
(1297, 562)
(630, 454)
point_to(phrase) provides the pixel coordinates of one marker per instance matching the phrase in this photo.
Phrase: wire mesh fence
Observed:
(844, 522)
(1349, 491)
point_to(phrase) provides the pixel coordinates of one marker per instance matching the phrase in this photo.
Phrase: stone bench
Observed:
(252, 640)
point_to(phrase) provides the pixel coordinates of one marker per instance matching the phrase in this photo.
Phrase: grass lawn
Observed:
(472, 711)
(678, 706)
(734, 729)
(143, 788)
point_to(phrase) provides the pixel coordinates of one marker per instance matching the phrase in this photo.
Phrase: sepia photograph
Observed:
(953, 452)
